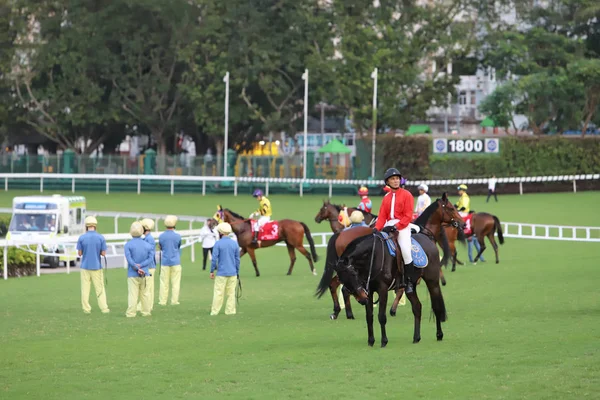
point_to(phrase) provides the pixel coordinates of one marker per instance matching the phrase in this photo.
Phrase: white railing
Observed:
(114, 242)
(234, 181)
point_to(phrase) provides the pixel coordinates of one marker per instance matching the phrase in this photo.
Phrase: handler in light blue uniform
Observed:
(148, 225)
(226, 260)
(90, 246)
(139, 255)
(170, 274)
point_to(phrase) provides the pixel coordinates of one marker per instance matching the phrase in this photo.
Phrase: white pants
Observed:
(403, 241)
(260, 222)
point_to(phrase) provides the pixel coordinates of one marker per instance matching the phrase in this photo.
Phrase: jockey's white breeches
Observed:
(403, 241)
(260, 222)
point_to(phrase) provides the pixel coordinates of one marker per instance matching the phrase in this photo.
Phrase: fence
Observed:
(204, 184)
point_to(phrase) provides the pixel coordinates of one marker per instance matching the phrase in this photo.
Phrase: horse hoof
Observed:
(351, 316)
(460, 262)
(498, 262)
(333, 316)
(371, 342)
(257, 274)
(440, 337)
(453, 269)
(443, 283)
(289, 273)
(392, 312)
(314, 272)
(416, 340)
(384, 343)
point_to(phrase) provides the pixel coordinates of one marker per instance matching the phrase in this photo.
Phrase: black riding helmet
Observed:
(391, 172)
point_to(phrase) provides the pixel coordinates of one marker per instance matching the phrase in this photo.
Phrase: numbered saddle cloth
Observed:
(468, 229)
(419, 257)
(269, 231)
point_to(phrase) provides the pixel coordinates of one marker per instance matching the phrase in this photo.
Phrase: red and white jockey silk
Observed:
(365, 204)
(396, 205)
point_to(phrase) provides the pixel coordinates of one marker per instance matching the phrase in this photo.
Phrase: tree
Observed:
(586, 73)
(500, 106)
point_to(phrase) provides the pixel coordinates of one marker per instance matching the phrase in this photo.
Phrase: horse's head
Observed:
(326, 212)
(211, 222)
(450, 214)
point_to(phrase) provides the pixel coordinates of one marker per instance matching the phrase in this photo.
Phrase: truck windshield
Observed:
(33, 223)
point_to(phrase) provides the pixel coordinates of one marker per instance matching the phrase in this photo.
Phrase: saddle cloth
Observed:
(468, 229)
(419, 257)
(269, 231)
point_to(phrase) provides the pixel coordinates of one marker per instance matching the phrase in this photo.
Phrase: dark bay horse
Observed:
(486, 225)
(291, 232)
(330, 212)
(364, 266)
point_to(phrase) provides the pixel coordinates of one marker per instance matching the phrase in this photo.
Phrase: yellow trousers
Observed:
(87, 278)
(170, 277)
(138, 291)
(224, 286)
(150, 283)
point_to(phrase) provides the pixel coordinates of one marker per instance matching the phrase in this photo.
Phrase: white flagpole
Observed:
(305, 78)
(374, 77)
(226, 145)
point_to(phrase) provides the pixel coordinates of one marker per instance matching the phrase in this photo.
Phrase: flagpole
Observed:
(305, 78)
(374, 77)
(226, 145)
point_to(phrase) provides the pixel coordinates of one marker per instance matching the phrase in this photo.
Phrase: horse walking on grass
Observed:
(291, 232)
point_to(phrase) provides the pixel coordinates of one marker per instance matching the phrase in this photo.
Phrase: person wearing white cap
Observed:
(148, 225)
(139, 255)
(170, 269)
(90, 247)
(226, 261)
(357, 219)
(423, 201)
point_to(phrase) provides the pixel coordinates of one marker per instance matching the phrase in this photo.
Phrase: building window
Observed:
(462, 98)
(473, 98)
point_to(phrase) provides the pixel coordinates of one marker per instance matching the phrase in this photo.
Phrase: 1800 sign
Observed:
(465, 146)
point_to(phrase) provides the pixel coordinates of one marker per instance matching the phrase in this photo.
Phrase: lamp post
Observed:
(226, 145)
(374, 77)
(305, 78)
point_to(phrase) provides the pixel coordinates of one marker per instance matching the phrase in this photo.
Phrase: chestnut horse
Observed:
(364, 266)
(486, 225)
(291, 232)
(331, 213)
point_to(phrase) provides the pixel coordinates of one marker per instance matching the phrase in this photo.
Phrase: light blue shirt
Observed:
(354, 225)
(91, 244)
(138, 251)
(226, 257)
(151, 241)
(170, 244)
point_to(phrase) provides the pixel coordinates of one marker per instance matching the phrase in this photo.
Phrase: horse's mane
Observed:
(234, 214)
(354, 244)
(423, 218)
(365, 213)
(336, 206)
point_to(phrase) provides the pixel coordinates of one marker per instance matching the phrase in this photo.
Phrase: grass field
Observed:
(528, 328)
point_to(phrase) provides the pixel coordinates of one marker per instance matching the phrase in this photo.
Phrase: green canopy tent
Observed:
(487, 123)
(415, 129)
(337, 149)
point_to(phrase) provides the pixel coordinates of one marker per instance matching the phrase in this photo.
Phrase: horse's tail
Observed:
(445, 244)
(330, 260)
(498, 229)
(311, 242)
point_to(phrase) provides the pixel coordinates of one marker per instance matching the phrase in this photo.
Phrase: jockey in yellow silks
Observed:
(264, 212)
(464, 202)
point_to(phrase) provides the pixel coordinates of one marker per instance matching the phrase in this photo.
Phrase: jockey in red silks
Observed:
(397, 209)
(365, 203)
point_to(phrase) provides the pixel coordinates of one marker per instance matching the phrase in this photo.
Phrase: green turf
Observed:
(525, 329)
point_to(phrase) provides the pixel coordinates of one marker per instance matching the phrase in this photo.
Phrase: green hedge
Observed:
(20, 262)
(519, 156)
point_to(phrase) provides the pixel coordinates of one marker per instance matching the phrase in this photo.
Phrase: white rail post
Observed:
(574, 186)
(521, 188)
(330, 189)
(5, 261)
(235, 187)
(116, 223)
(42, 184)
(302, 189)
(139, 188)
(107, 186)
(267, 189)
(69, 262)
(203, 188)
(37, 260)
(73, 185)
(6, 184)
(193, 246)
(172, 187)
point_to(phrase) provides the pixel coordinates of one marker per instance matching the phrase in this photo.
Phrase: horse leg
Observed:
(347, 304)
(333, 286)
(437, 303)
(494, 245)
(394, 306)
(250, 251)
(383, 295)
(416, 309)
(442, 277)
(453, 252)
(306, 254)
(482, 247)
(292, 254)
(369, 313)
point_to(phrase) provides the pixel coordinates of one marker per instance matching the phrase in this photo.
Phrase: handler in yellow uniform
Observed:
(264, 211)
(226, 260)
(90, 246)
(464, 202)
(170, 268)
(139, 255)
(148, 225)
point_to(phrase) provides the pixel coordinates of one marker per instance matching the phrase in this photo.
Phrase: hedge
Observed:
(20, 262)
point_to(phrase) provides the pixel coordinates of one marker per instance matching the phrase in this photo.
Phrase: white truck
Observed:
(49, 216)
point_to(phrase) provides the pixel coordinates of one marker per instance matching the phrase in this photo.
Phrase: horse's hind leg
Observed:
(437, 303)
(416, 309)
(383, 295)
(333, 286)
(442, 277)
(482, 247)
(394, 306)
(306, 254)
(369, 313)
(292, 254)
(250, 251)
(494, 245)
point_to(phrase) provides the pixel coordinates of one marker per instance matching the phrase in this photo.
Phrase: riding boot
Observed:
(255, 238)
(409, 270)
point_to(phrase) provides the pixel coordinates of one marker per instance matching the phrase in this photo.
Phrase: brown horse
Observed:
(455, 234)
(291, 232)
(331, 213)
(364, 266)
(486, 225)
